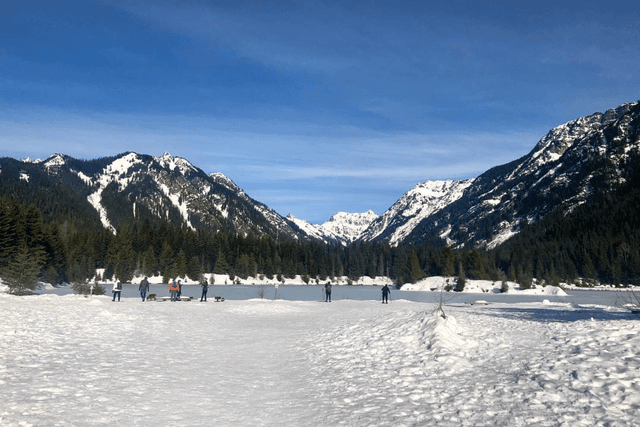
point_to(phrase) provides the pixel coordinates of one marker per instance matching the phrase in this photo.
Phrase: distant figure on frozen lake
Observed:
(117, 290)
(205, 287)
(327, 292)
(385, 294)
(144, 288)
(173, 290)
(179, 290)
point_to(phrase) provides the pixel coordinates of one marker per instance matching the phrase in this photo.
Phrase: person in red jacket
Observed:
(173, 290)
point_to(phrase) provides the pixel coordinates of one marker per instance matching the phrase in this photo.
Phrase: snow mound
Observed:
(436, 283)
(446, 341)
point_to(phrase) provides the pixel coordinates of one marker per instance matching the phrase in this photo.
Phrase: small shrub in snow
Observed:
(504, 288)
(629, 300)
(85, 289)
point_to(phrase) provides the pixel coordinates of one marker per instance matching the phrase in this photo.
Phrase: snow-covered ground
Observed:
(71, 360)
(436, 283)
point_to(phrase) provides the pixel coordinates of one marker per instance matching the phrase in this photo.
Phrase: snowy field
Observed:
(76, 361)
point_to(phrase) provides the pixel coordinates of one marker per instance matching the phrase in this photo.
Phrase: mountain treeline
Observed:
(67, 252)
(599, 240)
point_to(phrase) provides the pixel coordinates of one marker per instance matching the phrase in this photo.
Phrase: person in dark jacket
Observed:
(205, 287)
(117, 290)
(327, 292)
(144, 288)
(385, 294)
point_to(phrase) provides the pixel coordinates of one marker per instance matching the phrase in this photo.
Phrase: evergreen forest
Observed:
(599, 241)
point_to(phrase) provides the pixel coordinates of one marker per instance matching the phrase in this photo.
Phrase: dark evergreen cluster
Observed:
(599, 240)
(29, 248)
(64, 251)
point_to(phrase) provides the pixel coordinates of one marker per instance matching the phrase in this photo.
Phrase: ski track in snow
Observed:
(91, 362)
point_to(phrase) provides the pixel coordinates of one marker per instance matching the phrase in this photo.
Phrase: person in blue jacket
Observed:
(385, 294)
(327, 292)
(205, 287)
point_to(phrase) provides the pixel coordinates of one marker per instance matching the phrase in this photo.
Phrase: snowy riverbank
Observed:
(81, 361)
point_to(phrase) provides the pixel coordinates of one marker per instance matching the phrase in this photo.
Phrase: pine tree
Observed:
(21, 275)
(461, 280)
(416, 272)
(8, 242)
(181, 263)
(121, 255)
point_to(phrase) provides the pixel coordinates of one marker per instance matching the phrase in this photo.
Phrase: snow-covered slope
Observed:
(568, 166)
(342, 228)
(417, 204)
(565, 169)
(131, 187)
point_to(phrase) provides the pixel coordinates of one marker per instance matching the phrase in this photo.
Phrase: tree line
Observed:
(598, 241)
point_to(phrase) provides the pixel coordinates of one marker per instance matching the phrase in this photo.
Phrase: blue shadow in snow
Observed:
(555, 314)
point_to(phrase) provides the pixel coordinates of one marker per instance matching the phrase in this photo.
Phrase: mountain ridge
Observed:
(567, 166)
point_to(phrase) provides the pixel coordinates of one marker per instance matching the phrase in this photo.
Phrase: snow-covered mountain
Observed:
(343, 228)
(414, 206)
(569, 166)
(131, 186)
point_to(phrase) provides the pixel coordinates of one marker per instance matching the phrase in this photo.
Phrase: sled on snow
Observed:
(182, 298)
(478, 302)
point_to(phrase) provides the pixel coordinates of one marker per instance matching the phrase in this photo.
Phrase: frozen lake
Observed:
(358, 293)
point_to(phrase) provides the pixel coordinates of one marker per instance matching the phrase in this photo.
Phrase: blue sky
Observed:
(312, 107)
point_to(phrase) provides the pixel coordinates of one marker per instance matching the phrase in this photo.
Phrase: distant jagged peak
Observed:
(172, 162)
(347, 227)
(354, 218)
(123, 163)
(343, 227)
(613, 114)
(223, 180)
(559, 139)
(56, 160)
(30, 160)
(439, 188)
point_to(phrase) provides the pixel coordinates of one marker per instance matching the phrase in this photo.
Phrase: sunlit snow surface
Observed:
(92, 362)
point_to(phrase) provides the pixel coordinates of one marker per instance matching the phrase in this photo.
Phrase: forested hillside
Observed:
(599, 241)
(68, 252)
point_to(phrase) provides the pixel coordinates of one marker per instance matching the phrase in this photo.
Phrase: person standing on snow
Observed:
(385, 294)
(173, 290)
(179, 290)
(117, 290)
(144, 288)
(327, 292)
(205, 287)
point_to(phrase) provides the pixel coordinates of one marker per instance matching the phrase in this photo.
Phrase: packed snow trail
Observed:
(90, 362)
